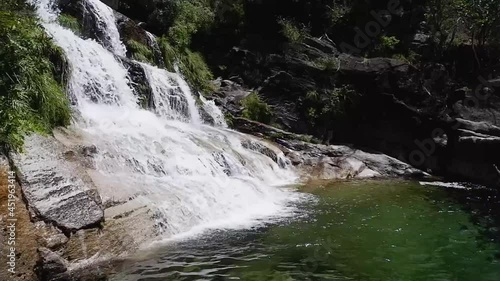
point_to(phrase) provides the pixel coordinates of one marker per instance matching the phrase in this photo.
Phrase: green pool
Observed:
(360, 230)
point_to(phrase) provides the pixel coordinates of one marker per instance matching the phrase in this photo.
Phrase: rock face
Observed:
(139, 83)
(317, 161)
(51, 266)
(56, 188)
(419, 115)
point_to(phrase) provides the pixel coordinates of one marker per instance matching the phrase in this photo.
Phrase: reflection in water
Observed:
(355, 231)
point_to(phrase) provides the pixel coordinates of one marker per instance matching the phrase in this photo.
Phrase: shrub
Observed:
(31, 99)
(327, 63)
(196, 71)
(192, 65)
(386, 45)
(321, 110)
(192, 16)
(140, 52)
(292, 32)
(255, 109)
(410, 58)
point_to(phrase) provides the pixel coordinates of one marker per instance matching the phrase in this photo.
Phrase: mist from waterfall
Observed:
(192, 175)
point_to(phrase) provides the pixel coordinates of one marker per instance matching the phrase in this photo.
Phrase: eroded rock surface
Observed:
(57, 190)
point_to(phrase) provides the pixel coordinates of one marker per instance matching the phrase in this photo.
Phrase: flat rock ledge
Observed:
(56, 188)
(324, 162)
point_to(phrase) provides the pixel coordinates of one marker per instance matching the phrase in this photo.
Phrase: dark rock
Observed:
(205, 117)
(140, 84)
(229, 95)
(51, 266)
(88, 19)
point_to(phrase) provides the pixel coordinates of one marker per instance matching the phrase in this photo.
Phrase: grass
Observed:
(191, 64)
(140, 52)
(255, 109)
(293, 32)
(32, 97)
(70, 22)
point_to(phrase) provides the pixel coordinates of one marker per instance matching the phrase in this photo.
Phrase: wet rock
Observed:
(57, 191)
(318, 161)
(140, 84)
(229, 95)
(259, 147)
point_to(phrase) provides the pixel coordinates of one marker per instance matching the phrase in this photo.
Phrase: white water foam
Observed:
(192, 176)
(106, 21)
(214, 112)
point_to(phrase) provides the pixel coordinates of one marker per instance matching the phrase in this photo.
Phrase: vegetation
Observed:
(32, 97)
(70, 22)
(292, 31)
(328, 64)
(411, 57)
(140, 52)
(255, 109)
(386, 45)
(449, 19)
(192, 16)
(191, 64)
(332, 105)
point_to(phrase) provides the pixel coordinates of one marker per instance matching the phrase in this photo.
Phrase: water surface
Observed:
(362, 230)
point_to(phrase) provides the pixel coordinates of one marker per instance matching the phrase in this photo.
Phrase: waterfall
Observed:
(171, 95)
(214, 112)
(107, 22)
(193, 176)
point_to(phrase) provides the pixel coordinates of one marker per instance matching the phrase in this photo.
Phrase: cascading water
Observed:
(106, 21)
(214, 112)
(192, 175)
(169, 95)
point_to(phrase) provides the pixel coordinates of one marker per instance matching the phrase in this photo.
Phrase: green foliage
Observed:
(255, 109)
(229, 119)
(196, 71)
(410, 58)
(444, 19)
(192, 65)
(327, 63)
(451, 19)
(388, 42)
(386, 45)
(322, 109)
(31, 99)
(192, 16)
(70, 22)
(293, 32)
(229, 13)
(337, 12)
(140, 52)
(170, 54)
(482, 19)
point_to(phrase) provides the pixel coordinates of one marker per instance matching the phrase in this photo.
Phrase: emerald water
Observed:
(360, 230)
